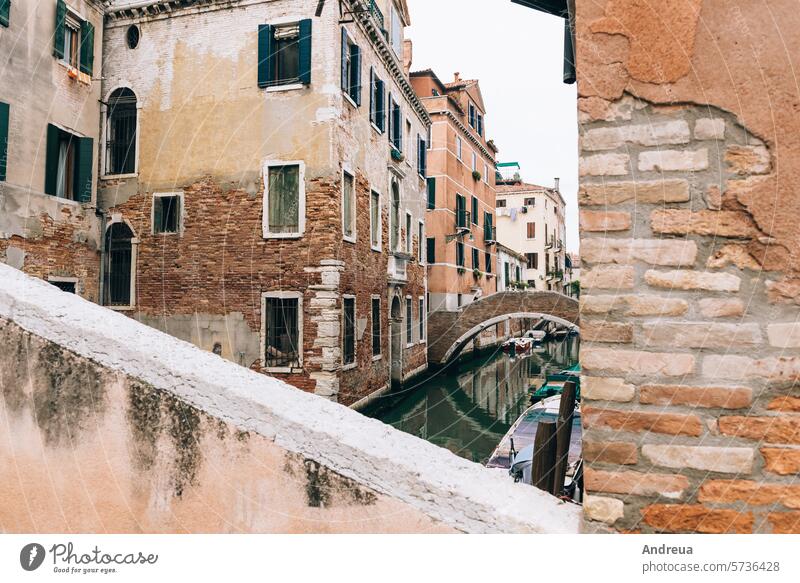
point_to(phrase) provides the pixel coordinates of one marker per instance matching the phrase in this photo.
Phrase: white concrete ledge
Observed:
(447, 488)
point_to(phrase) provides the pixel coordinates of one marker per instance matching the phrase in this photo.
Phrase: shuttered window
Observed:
(60, 29)
(377, 100)
(283, 199)
(422, 156)
(348, 207)
(409, 321)
(284, 54)
(460, 253)
(351, 68)
(5, 12)
(474, 210)
(376, 326)
(349, 331)
(87, 48)
(68, 165)
(4, 121)
(476, 258)
(375, 220)
(431, 193)
(488, 257)
(531, 230)
(431, 250)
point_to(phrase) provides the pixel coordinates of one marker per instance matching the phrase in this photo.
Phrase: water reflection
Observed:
(469, 406)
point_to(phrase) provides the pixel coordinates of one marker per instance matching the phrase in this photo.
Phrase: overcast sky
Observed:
(517, 55)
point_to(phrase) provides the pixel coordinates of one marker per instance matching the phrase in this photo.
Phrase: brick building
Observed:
(49, 137)
(462, 262)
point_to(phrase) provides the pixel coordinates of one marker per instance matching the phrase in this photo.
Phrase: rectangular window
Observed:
(282, 331)
(479, 125)
(377, 99)
(431, 193)
(409, 321)
(395, 125)
(506, 273)
(431, 250)
(375, 220)
(518, 273)
(459, 300)
(284, 54)
(349, 330)
(121, 133)
(5, 12)
(458, 147)
(462, 215)
(488, 227)
(68, 165)
(476, 258)
(396, 32)
(351, 68)
(348, 207)
(65, 286)
(474, 162)
(166, 213)
(285, 198)
(420, 239)
(4, 126)
(422, 157)
(530, 201)
(486, 173)
(72, 33)
(533, 260)
(501, 203)
(531, 230)
(376, 326)
(488, 262)
(409, 234)
(460, 253)
(474, 210)
(472, 110)
(421, 305)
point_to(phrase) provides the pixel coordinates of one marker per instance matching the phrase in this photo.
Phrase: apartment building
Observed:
(462, 261)
(531, 221)
(49, 139)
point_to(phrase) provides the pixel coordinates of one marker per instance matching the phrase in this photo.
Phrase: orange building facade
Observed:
(460, 218)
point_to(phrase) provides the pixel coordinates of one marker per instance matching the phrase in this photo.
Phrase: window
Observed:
(395, 218)
(460, 253)
(486, 173)
(4, 120)
(474, 210)
(531, 201)
(409, 233)
(421, 306)
(349, 330)
(119, 265)
(121, 133)
(506, 273)
(375, 220)
(68, 165)
(72, 34)
(396, 31)
(166, 213)
(420, 239)
(458, 147)
(376, 327)
(476, 258)
(284, 54)
(409, 320)
(531, 230)
(73, 39)
(431, 250)
(472, 110)
(501, 203)
(488, 262)
(462, 216)
(474, 162)
(431, 193)
(351, 68)
(479, 124)
(284, 211)
(348, 207)
(422, 157)
(533, 260)
(5, 12)
(377, 99)
(283, 330)
(459, 300)
(518, 273)
(64, 285)
(395, 125)
(488, 226)
(132, 36)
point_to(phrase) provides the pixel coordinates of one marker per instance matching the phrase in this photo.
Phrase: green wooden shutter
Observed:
(431, 193)
(264, 54)
(3, 140)
(431, 250)
(83, 176)
(51, 160)
(380, 93)
(5, 12)
(474, 210)
(357, 68)
(305, 51)
(372, 116)
(87, 48)
(345, 81)
(58, 36)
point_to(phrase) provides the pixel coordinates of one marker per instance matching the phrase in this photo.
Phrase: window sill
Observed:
(350, 366)
(411, 345)
(283, 369)
(376, 249)
(376, 128)
(166, 234)
(119, 176)
(349, 239)
(121, 308)
(287, 87)
(282, 235)
(377, 357)
(350, 100)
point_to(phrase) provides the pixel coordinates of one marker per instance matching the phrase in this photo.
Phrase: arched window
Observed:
(121, 133)
(118, 265)
(395, 215)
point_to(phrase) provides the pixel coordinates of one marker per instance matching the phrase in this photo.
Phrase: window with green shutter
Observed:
(351, 68)
(431, 193)
(83, 169)
(431, 250)
(68, 165)
(5, 12)
(284, 54)
(474, 210)
(58, 34)
(4, 119)
(87, 48)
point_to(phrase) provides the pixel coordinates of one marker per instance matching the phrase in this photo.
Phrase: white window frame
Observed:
(106, 127)
(409, 303)
(62, 279)
(421, 249)
(354, 237)
(459, 148)
(409, 235)
(72, 20)
(423, 321)
(117, 218)
(379, 246)
(266, 234)
(474, 161)
(353, 364)
(373, 297)
(181, 214)
(285, 295)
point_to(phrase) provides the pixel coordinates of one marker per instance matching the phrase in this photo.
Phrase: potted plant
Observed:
(397, 155)
(476, 176)
(461, 271)
(477, 273)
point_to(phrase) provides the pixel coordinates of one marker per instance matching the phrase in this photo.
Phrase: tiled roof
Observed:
(519, 187)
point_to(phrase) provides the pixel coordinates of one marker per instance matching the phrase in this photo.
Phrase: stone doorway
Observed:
(396, 350)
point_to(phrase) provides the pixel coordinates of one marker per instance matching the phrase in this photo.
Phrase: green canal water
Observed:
(469, 405)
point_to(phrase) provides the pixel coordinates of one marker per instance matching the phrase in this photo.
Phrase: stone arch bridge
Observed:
(449, 332)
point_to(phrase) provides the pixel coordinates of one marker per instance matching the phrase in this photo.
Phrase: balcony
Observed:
(489, 234)
(556, 275)
(377, 15)
(462, 220)
(398, 267)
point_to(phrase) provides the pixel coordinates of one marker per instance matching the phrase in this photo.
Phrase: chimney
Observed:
(456, 77)
(408, 54)
(557, 180)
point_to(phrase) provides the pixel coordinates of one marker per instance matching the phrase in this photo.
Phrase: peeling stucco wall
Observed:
(689, 205)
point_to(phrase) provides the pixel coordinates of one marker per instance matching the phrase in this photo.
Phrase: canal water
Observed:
(469, 405)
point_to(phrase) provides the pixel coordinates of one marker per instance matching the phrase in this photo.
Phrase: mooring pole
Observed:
(544, 456)
(566, 412)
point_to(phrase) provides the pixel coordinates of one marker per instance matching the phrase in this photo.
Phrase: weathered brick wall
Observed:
(690, 306)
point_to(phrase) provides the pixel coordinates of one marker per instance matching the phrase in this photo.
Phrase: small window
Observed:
(486, 173)
(121, 133)
(476, 258)
(459, 300)
(474, 210)
(72, 34)
(284, 54)
(166, 213)
(488, 226)
(460, 253)
(377, 99)
(421, 305)
(351, 68)
(462, 215)
(431, 244)
(422, 157)
(65, 286)
(395, 125)
(531, 230)
(375, 220)
(474, 162)
(395, 217)
(409, 234)
(349, 328)
(472, 115)
(132, 36)
(488, 262)
(458, 147)
(285, 201)
(501, 203)
(348, 207)
(68, 165)
(396, 31)
(282, 345)
(119, 266)
(533, 260)
(420, 239)
(531, 201)
(409, 321)
(431, 193)
(479, 124)
(376, 326)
